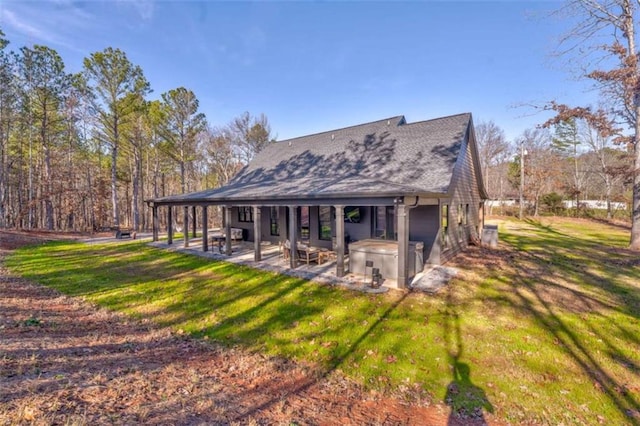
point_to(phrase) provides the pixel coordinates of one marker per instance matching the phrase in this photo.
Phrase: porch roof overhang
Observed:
(302, 191)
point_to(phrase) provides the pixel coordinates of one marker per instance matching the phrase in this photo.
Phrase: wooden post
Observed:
(227, 230)
(257, 233)
(170, 225)
(293, 236)
(195, 222)
(155, 223)
(403, 245)
(205, 230)
(282, 223)
(185, 226)
(340, 249)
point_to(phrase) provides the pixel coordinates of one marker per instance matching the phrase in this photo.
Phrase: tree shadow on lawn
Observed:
(192, 300)
(283, 318)
(75, 272)
(536, 289)
(467, 401)
(576, 261)
(264, 292)
(577, 350)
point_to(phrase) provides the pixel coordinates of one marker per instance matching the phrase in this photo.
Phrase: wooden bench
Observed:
(125, 232)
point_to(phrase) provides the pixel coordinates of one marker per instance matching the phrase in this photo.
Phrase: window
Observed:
(445, 224)
(324, 223)
(460, 214)
(466, 214)
(273, 221)
(384, 223)
(304, 222)
(245, 214)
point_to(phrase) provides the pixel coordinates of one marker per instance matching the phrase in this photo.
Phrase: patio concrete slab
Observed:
(273, 261)
(433, 279)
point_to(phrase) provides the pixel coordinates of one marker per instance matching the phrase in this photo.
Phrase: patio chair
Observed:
(285, 249)
(308, 254)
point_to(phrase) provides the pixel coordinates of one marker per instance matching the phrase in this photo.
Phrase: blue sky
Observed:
(318, 66)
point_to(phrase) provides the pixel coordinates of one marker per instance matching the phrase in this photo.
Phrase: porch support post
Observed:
(185, 226)
(154, 224)
(293, 236)
(170, 225)
(195, 222)
(340, 249)
(403, 245)
(257, 233)
(227, 230)
(205, 230)
(282, 223)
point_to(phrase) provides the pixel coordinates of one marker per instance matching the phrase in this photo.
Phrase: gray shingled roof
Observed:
(386, 158)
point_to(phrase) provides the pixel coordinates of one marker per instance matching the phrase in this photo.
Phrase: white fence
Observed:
(568, 204)
(594, 204)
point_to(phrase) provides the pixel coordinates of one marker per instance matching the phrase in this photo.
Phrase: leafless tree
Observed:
(606, 34)
(610, 164)
(493, 149)
(249, 134)
(223, 163)
(540, 168)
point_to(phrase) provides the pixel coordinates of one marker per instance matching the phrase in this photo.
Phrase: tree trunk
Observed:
(135, 203)
(576, 178)
(635, 212)
(182, 177)
(629, 27)
(114, 176)
(48, 205)
(3, 174)
(92, 203)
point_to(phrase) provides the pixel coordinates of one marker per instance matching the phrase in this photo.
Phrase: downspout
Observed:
(416, 203)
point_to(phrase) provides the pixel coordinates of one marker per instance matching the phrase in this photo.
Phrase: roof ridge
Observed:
(439, 118)
(343, 128)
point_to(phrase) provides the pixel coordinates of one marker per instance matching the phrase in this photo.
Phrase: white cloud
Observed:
(9, 18)
(42, 25)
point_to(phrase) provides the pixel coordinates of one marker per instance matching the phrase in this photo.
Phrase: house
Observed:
(389, 193)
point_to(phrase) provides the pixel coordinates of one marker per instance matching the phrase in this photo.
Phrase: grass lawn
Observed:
(544, 329)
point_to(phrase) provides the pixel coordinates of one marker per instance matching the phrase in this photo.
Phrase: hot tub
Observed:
(384, 255)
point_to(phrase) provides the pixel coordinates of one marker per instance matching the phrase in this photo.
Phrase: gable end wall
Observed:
(465, 190)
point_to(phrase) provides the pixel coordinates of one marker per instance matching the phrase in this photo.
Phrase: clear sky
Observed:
(317, 66)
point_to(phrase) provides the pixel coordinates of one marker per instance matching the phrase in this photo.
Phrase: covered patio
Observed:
(330, 253)
(273, 260)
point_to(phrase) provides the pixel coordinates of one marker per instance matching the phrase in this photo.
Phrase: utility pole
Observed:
(522, 153)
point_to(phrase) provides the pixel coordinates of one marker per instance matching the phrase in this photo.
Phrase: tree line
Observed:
(82, 151)
(602, 48)
(560, 160)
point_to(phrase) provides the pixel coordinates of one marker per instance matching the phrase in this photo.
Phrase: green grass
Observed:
(544, 329)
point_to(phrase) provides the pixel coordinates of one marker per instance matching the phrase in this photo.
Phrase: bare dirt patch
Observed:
(63, 361)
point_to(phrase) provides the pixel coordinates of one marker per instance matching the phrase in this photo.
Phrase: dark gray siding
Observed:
(266, 226)
(465, 191)
(246, 226)
(424, 225)
(314, 229)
